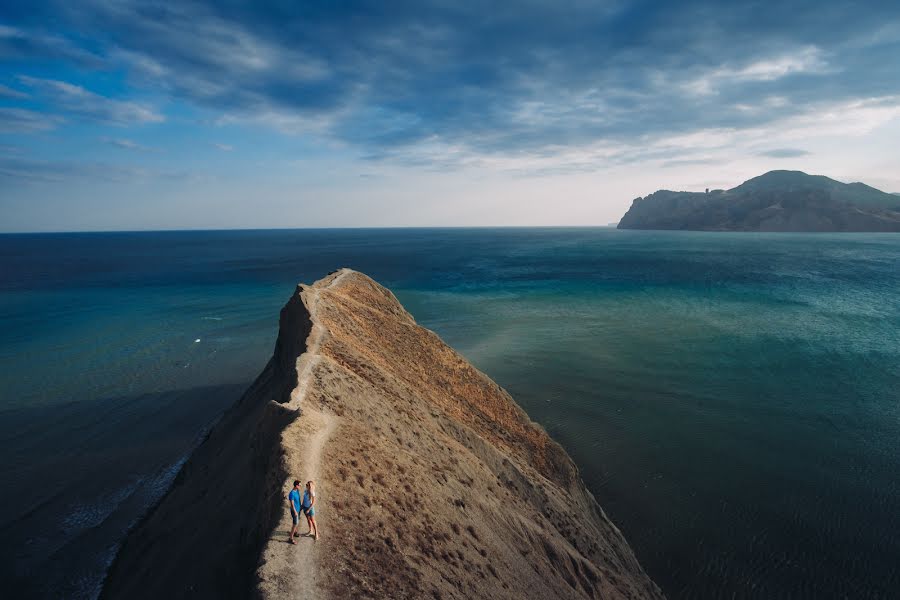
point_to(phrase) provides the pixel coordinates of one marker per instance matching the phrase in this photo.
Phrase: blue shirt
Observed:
(307, 501)
(294, 497)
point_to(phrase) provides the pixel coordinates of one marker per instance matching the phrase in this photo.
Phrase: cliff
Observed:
(431, 481)
(775, 201)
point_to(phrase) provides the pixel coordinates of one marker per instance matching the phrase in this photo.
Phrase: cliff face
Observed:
(431, 481)
(776, 201)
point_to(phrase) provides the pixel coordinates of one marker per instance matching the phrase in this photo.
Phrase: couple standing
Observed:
(307, 505)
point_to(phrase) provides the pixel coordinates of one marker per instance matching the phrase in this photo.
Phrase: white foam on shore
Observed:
(86, 516)
(152, 489)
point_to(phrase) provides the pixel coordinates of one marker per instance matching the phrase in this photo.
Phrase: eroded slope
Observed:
(434, 482)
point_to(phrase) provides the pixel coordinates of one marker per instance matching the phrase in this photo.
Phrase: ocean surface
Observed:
(733, 400)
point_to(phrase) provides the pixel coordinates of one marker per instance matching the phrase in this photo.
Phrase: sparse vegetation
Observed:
(441, 491)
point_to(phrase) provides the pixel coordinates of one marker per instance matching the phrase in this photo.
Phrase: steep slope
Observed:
(775, 201)
(431, 481)
(203, 539)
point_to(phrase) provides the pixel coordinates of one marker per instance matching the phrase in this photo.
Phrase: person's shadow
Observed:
(279, 536)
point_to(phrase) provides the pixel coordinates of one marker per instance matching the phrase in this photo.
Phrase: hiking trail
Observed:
(293, 568)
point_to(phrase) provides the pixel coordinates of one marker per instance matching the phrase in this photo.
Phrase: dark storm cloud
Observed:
(516, 76)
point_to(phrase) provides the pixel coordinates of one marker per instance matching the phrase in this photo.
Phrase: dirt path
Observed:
(303, 558)
(291, 569)
(310, 358)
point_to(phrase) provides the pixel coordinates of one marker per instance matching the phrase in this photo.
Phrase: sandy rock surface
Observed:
(431, 481)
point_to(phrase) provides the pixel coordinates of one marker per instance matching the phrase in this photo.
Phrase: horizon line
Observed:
(323, 228)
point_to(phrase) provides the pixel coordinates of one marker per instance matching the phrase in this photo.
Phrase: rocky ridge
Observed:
(432, 481)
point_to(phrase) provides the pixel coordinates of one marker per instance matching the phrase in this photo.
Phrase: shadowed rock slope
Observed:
(431, 481)
(775, 201)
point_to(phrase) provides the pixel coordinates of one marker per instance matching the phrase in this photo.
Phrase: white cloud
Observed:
(808, 59)
(286, 122)
(81, 102)
(126, 144)
(19, 43)
(8, 92)
(20, 120)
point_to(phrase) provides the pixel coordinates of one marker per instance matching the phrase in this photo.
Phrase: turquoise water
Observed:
(731, 399)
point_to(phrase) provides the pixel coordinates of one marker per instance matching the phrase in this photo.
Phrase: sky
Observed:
(133, 115)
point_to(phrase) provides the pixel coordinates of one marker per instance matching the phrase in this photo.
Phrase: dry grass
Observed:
(437, 483)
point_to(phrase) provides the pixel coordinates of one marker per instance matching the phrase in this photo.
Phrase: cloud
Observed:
(807, 60)
(224, 147)
(29, 45)
(20, 120)
(9, 150)
(677, 163)
(79, 102)
(29, 170)
(17, 169)
(7, 92)
(126, 144)
(784, 153)
(699, 148)
(524, 77)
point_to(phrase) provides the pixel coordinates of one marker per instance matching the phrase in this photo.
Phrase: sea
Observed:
(731, 399)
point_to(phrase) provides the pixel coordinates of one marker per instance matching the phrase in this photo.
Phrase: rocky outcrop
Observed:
(776, 201)
(431, 481)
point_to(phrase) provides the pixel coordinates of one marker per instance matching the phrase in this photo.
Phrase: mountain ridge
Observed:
(774, 201)
(431, 480)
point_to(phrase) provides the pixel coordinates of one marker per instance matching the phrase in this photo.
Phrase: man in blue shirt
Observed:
(294, 503)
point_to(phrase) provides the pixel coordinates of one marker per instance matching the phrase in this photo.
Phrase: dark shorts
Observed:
(294, 517)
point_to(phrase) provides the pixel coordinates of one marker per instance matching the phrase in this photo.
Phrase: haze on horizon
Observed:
(128, 115)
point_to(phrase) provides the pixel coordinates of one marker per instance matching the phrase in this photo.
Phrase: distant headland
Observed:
(775, 201)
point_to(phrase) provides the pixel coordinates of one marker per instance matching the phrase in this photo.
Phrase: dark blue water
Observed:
(733, 400)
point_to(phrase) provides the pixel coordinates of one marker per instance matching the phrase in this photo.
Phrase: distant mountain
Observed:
(776, 201)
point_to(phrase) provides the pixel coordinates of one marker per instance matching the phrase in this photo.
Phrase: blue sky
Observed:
(120, 114)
